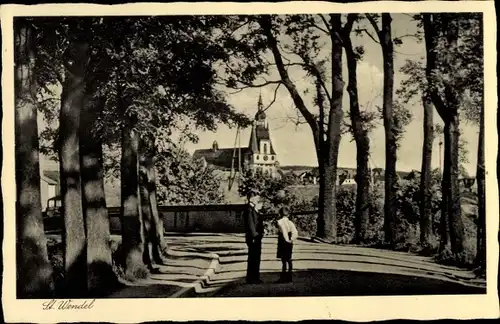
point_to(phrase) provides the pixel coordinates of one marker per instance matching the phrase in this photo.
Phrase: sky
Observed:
(294, 143)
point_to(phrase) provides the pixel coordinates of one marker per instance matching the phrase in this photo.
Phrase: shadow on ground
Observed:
(339, 283)
(147, 291)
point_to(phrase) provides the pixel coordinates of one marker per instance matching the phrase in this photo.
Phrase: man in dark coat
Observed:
(254, 231)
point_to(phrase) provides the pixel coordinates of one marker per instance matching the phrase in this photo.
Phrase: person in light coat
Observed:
(287, 234)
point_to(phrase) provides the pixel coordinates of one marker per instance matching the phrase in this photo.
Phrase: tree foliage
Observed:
(164, 68)
(186, 181)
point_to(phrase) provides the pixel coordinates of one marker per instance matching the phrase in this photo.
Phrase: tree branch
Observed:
(316, 74)
(409, 35)
(325, 21)
(369, 35)
(247, 85)
(321, 29)
(245, 23)
(373, 22)
(297, 99)
(250, 85)
(274, 99)
(236, 91)
(297, 120)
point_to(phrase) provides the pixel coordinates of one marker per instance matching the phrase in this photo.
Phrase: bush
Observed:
(346, 207)
(306, 224)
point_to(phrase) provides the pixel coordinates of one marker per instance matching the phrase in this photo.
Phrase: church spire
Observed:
(260, 116)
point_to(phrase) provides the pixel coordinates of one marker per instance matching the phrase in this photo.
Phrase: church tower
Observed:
(261, 155)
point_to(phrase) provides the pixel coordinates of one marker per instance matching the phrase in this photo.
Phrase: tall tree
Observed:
(156, 234)
(327, 134)
(481, 198)
(132, 225)
(426, 174)
(57, 39)
(146, 213)
(100, 275)
(415, 86)
(441, 38)
(133, 240)
(386, 42)
(360, 134)
(72, 99)
(34, 271)
(155, 245)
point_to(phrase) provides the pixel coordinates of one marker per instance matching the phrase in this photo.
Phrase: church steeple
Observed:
(260, 116)
(261, 154)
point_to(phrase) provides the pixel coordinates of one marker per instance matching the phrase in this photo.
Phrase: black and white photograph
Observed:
(221, 155)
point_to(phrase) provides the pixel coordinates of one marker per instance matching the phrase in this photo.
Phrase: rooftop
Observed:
(222, 157)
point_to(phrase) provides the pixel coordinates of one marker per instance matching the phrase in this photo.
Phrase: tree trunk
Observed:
(445, 192)
(363, 179)
(426, 176)
(480, 260)
(430, 34)
(132, 225)
(481, 198)
(34, 271)
(159, 244)
(100, 276)
(327, 228)
(390, 139)
(321, 149)
(448, 110)
(453, 105)
(145, 205)
(455, 209)
(73, 92)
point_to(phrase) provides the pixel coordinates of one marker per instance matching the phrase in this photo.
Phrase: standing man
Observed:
(254, 231)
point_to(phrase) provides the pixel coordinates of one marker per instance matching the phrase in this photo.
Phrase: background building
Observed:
(258, 156)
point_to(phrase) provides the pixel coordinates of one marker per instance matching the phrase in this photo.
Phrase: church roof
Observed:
(258, 134)
(221, 157)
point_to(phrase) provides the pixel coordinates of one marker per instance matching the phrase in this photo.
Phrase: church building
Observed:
(258, 156)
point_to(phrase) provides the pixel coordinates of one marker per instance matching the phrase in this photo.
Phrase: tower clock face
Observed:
(265, 157)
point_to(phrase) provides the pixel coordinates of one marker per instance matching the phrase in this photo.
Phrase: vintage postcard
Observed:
(262, 161)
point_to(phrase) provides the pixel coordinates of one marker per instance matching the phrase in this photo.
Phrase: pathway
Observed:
(326, 270)
(214, 265)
